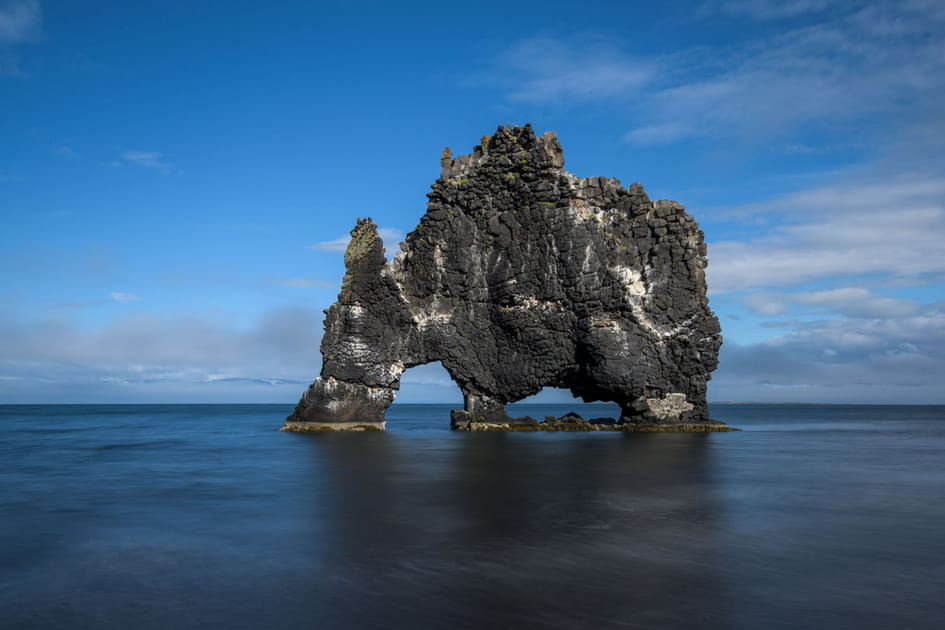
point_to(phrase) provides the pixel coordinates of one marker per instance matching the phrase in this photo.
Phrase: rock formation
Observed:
(521, 276)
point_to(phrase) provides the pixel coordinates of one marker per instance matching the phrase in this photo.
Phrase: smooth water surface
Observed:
(204, 516)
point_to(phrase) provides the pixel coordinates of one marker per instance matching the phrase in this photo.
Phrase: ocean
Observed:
(205, 516)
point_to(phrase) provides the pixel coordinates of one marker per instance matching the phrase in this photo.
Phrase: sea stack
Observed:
(522, 276)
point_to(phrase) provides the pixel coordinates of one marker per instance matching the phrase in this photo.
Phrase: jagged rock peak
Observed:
(521, 276)
(508, 148)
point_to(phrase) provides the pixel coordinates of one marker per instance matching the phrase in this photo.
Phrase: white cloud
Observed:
(757, 373)
(279, 336)
(306, 283)
(390, 236)
(337, 245)
(860, 193)
(554, 70)
(847, 301)
(150, 357)
(115, 296)
(663, 133)
(858, 61)
(146, 159)
(766, 303)
(770, 9)
(858, 302)
(869, 335)
(847, 359)
(870, 224)
(19, 20)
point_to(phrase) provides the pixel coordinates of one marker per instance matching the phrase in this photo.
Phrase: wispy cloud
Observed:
(20, 20)
(860, 336)
(846, 301)
(115, 296)
(336, 245)
(769, 9)
(662, 133)
(390, 236)
(85, 304)
(794, 372)
(145, 159)
(837, 71)
(890, 228)
(65, 151)
(859, 60)
(305, 283)
(150, 357)
(281, 335)
(879, 351)
(555, 70)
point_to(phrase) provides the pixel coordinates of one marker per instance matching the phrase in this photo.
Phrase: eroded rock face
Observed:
(520, 276)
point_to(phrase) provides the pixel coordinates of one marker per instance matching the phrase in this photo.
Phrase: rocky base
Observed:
(300, 426)
(465, 421)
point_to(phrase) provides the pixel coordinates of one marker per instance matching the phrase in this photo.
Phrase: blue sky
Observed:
(177, 179)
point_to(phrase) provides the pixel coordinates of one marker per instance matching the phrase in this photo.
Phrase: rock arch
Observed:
(520, 276)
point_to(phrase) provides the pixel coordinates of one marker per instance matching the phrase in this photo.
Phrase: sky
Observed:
(177, 179)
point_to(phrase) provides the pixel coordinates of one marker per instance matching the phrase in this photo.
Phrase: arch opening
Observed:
(428, 384)
(426, 395)
(558, 401)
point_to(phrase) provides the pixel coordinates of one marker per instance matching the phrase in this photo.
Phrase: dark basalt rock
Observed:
(520, 276)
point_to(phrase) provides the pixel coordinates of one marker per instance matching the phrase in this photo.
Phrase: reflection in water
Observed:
(182, 517)
(503, 530)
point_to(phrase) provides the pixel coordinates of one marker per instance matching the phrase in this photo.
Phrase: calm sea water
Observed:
(203, 516)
